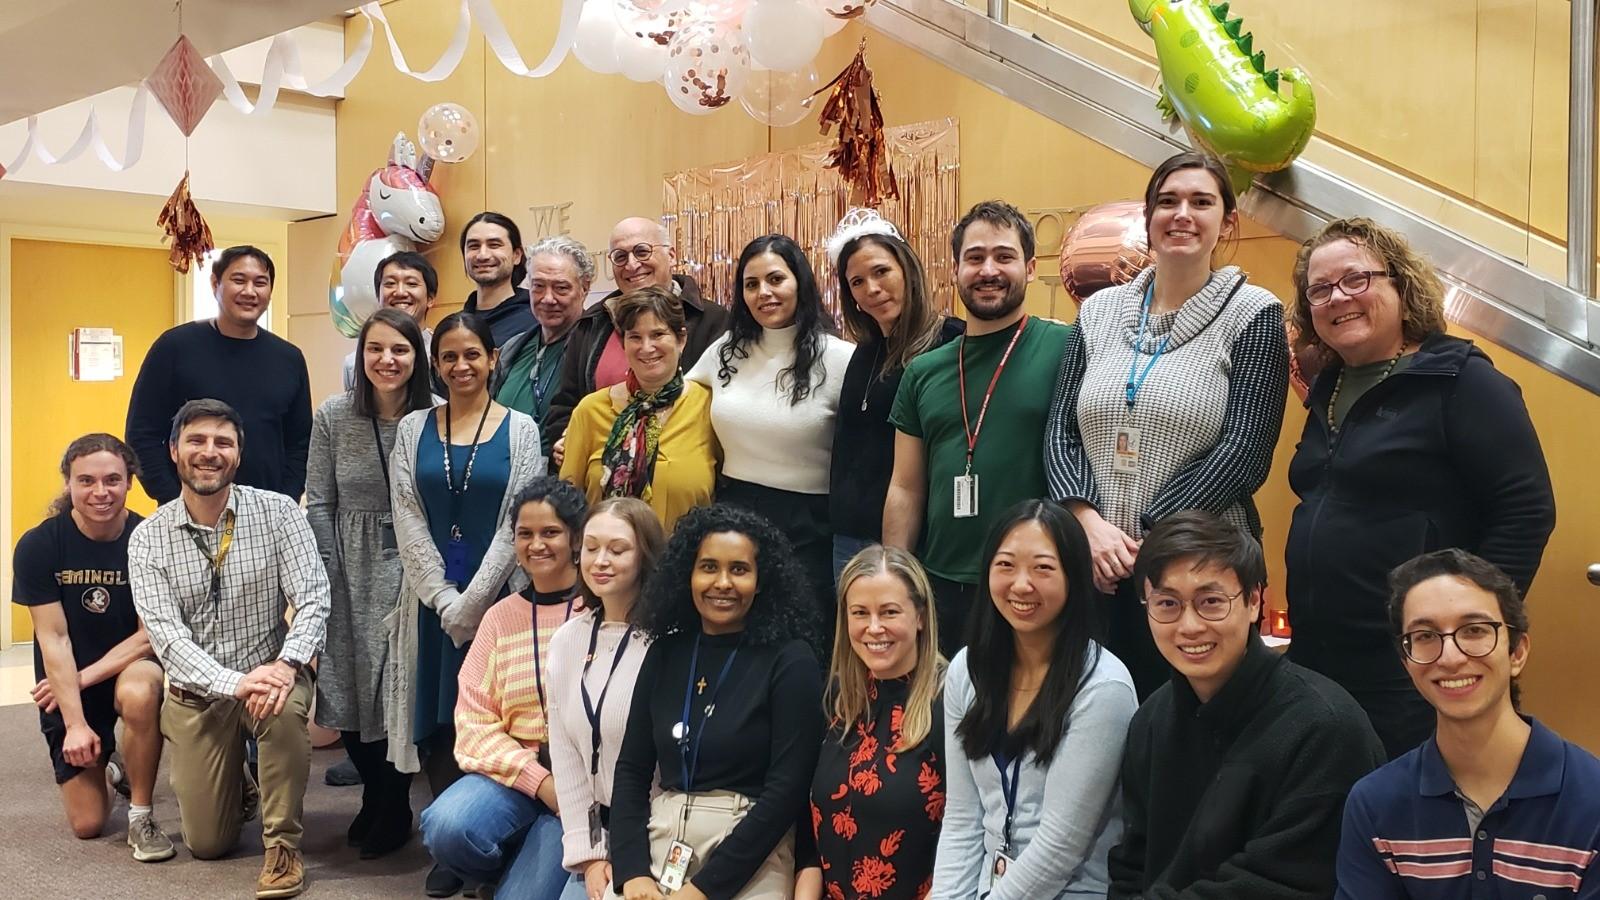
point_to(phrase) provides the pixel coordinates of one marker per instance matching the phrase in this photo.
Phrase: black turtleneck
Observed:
(761, 741)
(1241, 796)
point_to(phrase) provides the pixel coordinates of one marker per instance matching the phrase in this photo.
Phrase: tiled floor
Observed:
(16, 674)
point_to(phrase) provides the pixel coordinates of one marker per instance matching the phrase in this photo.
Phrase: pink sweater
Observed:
(571, 739)
(500, 724)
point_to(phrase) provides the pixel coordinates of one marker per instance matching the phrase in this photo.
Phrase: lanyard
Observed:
(223, 545)
(538, 677)
(689, 751)
(383, 456)
(541, 381)
(961, 373)
(1134, 384)
(1008, 788)
(592, 708)
(466, 475)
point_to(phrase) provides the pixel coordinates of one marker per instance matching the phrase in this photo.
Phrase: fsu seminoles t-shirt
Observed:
(56, 563)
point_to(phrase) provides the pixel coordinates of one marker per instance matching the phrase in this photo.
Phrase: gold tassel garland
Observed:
(861, 151)
(181, 221)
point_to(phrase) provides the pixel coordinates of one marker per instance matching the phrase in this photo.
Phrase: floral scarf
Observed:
(628, 461)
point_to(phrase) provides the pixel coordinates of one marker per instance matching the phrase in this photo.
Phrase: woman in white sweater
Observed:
(594, 662)
(775, 379)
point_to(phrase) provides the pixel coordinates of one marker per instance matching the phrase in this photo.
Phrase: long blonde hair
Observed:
(848, 674)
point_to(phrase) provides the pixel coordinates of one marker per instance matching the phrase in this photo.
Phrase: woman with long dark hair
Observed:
(348, 506)
(720, 708)
(1036, 715)
(890, 315)
(775, 379)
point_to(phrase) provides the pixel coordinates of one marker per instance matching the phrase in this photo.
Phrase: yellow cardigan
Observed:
(686, 461)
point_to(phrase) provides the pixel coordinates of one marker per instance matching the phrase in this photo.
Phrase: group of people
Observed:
(950, 608)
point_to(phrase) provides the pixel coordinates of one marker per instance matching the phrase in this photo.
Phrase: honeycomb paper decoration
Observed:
(185, 85)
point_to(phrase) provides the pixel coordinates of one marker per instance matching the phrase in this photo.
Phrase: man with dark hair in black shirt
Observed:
(1236, 770)
(91, 655)
(496, 261)
(229, 358)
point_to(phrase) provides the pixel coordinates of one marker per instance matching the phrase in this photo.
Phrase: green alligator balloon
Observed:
(1219, 87)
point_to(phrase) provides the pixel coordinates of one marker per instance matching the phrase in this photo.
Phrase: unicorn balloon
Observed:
(397, 210)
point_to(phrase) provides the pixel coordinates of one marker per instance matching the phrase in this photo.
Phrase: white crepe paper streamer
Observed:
(89, 136)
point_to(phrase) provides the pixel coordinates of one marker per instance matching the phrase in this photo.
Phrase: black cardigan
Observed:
(1240, 797)
(1440, 454)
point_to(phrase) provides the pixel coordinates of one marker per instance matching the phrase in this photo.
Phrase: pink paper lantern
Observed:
(185, 85)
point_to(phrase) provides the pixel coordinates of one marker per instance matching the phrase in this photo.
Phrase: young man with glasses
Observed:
(216, 574)
(641, 256)
(528, 370)
(1494, 804)
(1236, 770)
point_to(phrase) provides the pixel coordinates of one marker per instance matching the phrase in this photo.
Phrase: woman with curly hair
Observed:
(720, 707)
(1414, 443)
(775, 379)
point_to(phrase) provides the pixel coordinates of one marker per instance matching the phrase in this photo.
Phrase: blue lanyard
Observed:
(1008, 789)
(1135, 383)
(689, 752)
(538, 677)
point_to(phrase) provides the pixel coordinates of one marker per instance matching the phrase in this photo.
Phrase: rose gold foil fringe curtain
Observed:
(713, 212)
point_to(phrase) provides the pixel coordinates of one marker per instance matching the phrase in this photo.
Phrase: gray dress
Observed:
(347, 502)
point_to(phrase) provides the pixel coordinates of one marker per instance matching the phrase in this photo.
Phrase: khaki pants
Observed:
(206, 739)
(710, 816)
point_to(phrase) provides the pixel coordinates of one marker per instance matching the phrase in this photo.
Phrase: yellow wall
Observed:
(56, 287)
(605, 143)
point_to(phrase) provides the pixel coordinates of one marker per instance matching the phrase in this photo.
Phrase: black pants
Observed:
(953, 601)
(1402, 719)
(803, 518)
(1127, 631)
(381, 783)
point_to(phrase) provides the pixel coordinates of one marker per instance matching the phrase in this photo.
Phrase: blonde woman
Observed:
(877, 798)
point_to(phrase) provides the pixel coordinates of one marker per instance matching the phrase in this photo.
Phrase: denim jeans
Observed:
(843, 548)
(488, 833)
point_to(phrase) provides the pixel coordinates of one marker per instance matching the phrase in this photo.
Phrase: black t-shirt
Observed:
(56, 563)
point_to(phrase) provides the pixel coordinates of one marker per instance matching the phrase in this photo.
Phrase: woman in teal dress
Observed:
(456, 468)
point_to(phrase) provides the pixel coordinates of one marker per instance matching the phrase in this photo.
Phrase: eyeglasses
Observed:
(1474, 639)
(641, 252)
(1213, 606)
(1354, 285)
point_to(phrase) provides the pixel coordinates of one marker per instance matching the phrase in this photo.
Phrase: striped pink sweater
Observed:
(500, 724)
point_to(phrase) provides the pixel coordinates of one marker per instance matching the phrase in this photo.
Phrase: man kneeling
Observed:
(1236, 770)
(1494, 804)
(214, 574)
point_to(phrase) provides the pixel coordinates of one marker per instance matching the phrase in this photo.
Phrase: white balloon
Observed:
(707, 65)
(783, 35)
(779, 98)
(641, 59)
(627, 8)
(595, 42)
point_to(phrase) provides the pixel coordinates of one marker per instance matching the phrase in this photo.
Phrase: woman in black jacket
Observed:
(1413, 442)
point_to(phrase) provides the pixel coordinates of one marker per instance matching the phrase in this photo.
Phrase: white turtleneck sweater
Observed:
(766, 440)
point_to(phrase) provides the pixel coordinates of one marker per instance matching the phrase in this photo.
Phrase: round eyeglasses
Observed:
(1213, 606)
(1354, 285)
(641, 252)
(1474, 639)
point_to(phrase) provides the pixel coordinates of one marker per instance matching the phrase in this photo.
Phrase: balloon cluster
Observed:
(710, 53)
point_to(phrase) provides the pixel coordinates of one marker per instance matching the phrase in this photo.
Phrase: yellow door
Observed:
(56, 287)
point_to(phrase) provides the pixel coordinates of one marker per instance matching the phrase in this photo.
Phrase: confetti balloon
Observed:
(779, 98)
(448, 132)
(707, 66)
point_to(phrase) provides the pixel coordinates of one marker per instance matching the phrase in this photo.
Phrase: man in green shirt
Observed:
(970, 416)
(560, 271)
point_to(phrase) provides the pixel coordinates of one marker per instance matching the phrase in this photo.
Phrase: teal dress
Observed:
(438, 658)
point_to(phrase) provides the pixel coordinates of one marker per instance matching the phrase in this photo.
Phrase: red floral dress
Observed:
(875, 814)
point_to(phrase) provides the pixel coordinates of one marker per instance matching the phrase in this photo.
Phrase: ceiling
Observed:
(56, 51)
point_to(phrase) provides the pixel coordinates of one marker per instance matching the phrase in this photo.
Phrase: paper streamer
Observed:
(282, 69)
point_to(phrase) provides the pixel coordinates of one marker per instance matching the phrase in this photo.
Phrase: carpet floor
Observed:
(39, 858)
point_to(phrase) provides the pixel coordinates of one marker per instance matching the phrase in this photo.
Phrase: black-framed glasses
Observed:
(641, 252)
(1474, 639)
(1353, 284)
(1213, 606)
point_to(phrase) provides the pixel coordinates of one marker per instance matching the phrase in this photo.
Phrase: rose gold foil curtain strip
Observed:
(713, 212)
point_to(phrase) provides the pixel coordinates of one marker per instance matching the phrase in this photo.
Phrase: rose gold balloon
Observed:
(1106, 246)
(1305, 362)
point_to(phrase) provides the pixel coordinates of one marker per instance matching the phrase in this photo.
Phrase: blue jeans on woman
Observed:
(488, 833)
(843, 549)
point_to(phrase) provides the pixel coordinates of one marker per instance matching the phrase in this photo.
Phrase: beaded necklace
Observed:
(1333, 400)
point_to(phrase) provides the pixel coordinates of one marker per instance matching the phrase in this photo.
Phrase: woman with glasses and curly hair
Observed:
(1413, 442)
(721, 708)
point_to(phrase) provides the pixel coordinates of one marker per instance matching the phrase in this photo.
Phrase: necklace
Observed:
(872, 374)
(1333, 399)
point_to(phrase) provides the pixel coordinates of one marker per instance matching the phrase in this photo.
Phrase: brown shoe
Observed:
(283, 874)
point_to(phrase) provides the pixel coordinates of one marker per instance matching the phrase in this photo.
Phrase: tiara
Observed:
(857, 222)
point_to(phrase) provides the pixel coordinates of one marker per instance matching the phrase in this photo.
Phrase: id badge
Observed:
(386, 530)
(1002, 861)
(966, 496)
(1126, 458)
(455, 562)
(676, 871)
(596, 828)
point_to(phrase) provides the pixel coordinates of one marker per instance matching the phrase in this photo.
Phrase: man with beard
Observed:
(529, 368)
(234, 360)
(641, 257)
(491, 249)
(215, 573)
(970, 415)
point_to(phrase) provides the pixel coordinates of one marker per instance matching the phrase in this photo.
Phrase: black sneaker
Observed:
(342, 774)
(442, 882)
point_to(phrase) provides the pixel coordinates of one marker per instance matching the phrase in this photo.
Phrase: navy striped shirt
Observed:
(1406, 832)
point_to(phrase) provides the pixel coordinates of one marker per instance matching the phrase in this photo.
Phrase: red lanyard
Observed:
(961, 372)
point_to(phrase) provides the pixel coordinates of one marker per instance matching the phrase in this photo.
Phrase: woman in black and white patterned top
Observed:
(1170, 397)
